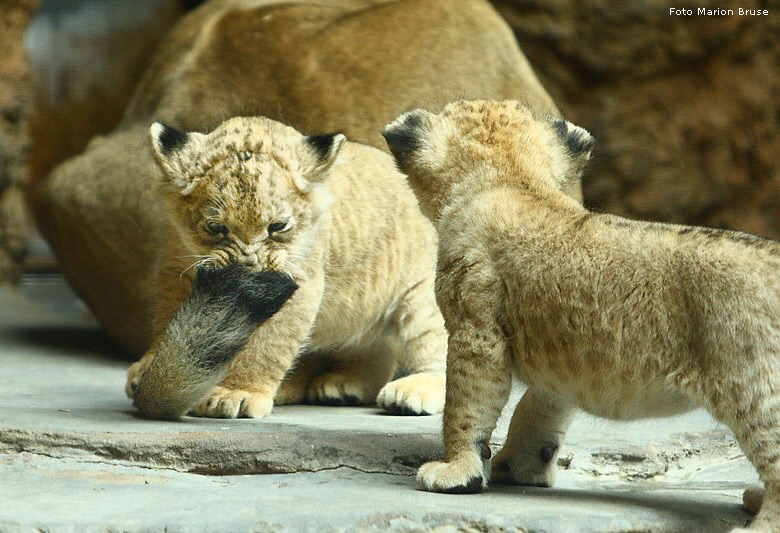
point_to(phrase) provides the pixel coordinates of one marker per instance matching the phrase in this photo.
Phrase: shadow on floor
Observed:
(71, 341)
(674, 507)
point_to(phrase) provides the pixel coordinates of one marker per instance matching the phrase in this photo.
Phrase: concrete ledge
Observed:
(235, 453)
(74, 456)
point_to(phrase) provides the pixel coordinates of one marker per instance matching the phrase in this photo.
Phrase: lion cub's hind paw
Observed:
(512, 468)
(234, 403)
(417, 394)
(753, 497)
(463, 476)
(336, 388)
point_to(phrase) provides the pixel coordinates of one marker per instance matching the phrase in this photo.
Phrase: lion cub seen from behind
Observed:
(623, 319)
(340, 220)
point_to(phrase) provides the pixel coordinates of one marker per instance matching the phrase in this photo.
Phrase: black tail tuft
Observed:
(265, 293)
(259, 294)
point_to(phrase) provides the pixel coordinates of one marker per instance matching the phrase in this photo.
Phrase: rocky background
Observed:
(686, 109)
(15, 113)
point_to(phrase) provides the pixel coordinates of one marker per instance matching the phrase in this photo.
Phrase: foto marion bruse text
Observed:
(684, 12)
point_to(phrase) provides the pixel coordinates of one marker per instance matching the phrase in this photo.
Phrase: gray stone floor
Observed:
(74, 457)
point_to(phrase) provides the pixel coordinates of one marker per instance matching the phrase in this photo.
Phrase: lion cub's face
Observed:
(251, 192)
(475, 145)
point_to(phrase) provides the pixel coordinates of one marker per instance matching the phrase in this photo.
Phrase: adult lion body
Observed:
(346, 65)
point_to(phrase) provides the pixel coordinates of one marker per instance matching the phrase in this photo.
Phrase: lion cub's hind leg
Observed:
(479, 380)
(750, 406)
(355, 377)
(536, 432)
(297, 380)
(752, 498)
(417, 394)
(420, 330)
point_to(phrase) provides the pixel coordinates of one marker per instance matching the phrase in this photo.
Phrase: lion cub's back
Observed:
(380, 243)
(376, 216)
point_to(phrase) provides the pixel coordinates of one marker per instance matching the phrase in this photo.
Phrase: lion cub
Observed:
(340, 220)
(623, 319)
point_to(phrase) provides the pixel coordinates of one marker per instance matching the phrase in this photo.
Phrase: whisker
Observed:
(295, 268)
(195, 264)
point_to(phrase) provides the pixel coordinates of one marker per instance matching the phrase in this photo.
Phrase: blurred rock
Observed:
(14, 143)
(685, 108)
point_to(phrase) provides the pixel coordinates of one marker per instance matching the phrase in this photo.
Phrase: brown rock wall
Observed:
(14, 135)
(685, 108)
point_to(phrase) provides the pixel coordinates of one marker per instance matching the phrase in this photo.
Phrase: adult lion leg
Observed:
(479, 380)
(255, 375)
(536, 432)
(424, 339)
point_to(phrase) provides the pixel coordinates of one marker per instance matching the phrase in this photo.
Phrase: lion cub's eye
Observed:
(215, 228)
(278, 227)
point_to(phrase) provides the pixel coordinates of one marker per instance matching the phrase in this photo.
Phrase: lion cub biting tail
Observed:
(210, 328)
(623, 319)
(340, 220)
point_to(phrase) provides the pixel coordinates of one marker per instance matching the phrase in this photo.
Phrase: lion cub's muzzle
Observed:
(256, 262)
(250, 261)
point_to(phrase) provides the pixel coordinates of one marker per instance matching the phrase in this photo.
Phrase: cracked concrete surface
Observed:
(75, 457)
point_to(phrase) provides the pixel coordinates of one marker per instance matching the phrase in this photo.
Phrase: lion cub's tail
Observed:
(210, 328)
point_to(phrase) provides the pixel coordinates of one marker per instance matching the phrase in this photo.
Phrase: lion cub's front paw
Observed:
(235, 403)
(418, 394)
(463, 475)
(336, 388)
(134, 375)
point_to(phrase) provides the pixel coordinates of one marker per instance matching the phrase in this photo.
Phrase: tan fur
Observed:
(348, 231)
(623, 319)
(317, 65)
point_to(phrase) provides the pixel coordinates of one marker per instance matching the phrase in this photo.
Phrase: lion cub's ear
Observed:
(177, 153)
(319, 154)
(578, 143)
